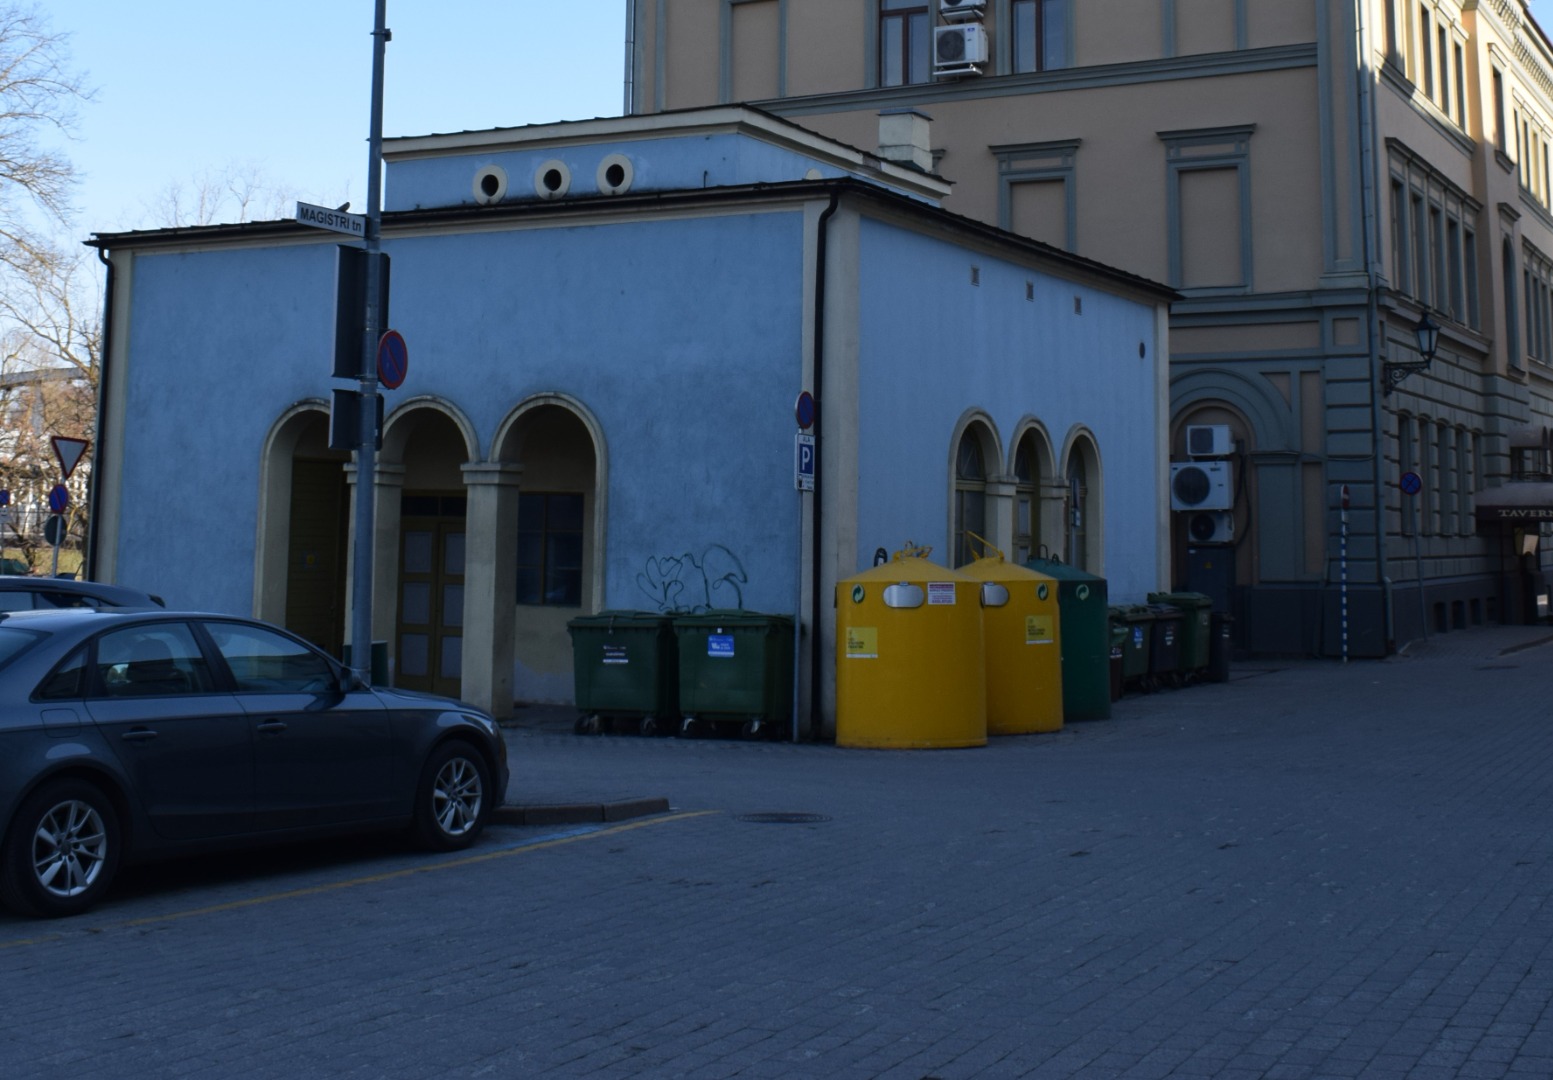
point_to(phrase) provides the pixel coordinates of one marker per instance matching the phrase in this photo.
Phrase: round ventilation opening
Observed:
(552, 180)
(615, 175)
(490, 185)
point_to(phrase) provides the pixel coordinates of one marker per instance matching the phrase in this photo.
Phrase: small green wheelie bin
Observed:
(735, 667)
(1086, 640)
(1165, 647)
(625, 671)
(1196, 627)
(1136, 622)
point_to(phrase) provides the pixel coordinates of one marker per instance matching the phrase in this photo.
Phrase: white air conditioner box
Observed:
(1208, 440)
(958, 49)
(1211, 527)
(954, 10)
(1201, 485)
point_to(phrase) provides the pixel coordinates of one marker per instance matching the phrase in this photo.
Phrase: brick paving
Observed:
(1311, 871)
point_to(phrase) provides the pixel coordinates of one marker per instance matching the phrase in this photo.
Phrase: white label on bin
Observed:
(720, 646)
(940, 592)
(615, 654)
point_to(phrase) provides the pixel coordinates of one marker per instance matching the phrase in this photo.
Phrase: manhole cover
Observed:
(783, 818)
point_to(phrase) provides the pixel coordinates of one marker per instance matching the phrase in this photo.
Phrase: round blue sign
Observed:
(1411, 483)
(804, 410)
(393, 359)
(5, 497)
(59, 498)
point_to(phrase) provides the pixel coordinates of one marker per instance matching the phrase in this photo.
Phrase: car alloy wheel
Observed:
(62, 850)
(450, 807)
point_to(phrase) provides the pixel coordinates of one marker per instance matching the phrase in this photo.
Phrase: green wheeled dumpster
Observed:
(735, 667)
(1165, 646)
(1086, 640)
(1136, 625)
(1196, 628)
(625, 671)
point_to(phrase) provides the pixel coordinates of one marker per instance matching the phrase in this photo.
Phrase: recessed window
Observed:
(1040, 35)
(904, 38)
(550, 549)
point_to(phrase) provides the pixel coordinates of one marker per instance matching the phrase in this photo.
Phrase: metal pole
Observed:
(1343, 571)
(366, 450)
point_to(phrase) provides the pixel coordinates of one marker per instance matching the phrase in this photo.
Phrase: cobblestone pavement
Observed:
(1313, 870)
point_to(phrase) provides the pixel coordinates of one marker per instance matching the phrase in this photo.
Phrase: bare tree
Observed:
(232, 194)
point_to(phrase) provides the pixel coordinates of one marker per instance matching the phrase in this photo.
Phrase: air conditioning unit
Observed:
(1208, 440)
(955, 10)
(1201, 485)
(1211, 527)
(958, 49)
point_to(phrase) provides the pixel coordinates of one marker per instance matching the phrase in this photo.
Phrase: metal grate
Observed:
(783, 818)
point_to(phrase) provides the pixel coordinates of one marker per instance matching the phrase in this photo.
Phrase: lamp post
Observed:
(1427, 337)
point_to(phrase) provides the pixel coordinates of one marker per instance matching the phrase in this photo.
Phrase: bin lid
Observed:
(1061, 570)
(1132, 612)
(1182, 599)
(610, 619)
(996, 568)
(731, 617)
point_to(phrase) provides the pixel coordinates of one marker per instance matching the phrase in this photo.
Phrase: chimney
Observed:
(904, 138)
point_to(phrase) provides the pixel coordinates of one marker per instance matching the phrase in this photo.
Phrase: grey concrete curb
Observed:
(579, 813)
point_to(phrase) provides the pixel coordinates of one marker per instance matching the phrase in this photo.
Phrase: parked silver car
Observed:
(138, 734)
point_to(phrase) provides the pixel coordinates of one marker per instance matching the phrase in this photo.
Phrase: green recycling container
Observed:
(736, 667)
(1196, 626)
(624, 668)
(1136, 621)
(1086, 640)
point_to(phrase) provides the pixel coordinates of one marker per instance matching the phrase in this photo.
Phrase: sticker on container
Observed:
(1137, 637)
(940, 592)
(857, 594)
(862, 643)
(1038, 629)
(1082, 592)
(615, 654)
(1041, 591)
(720, 646)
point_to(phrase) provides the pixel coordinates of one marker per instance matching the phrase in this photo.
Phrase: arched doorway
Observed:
(975, 448)
(1084, 535)
(301, 556)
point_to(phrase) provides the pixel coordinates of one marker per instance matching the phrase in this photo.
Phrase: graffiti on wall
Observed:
(685, 584)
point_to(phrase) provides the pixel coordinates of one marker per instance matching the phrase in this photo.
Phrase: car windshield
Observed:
(14, 642)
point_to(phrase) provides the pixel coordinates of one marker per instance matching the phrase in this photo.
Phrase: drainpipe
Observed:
(630, 87)
(1372, 291)
(817, 555)
(94, 497)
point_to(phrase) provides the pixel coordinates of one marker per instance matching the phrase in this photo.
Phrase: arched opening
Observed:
(432, 511)
(557, 545)
(1083, 522)
(1033, 477)
(301, 557)
(970, 493)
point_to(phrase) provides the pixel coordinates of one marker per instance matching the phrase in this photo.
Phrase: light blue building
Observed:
(609, 323)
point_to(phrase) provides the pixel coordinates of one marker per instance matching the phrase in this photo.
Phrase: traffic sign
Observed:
(393, 359)
(321, 217)
(803, 473)
(69, 452)
(1411, 483)
(5, 497)
(804, 410)
(54, 530)
(59, 498)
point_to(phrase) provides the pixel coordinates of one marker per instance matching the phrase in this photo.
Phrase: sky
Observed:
(282, 88)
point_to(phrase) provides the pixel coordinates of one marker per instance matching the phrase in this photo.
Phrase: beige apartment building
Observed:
(1312, 176)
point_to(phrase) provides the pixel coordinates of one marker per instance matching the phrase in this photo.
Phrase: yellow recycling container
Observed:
(1021, 639)
(909, 671)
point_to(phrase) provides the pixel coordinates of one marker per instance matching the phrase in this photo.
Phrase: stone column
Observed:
(1000, 513)
(490, 584)
(388, 481)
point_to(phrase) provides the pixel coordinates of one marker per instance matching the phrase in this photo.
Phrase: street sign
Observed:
(54, 532)
(1411, 483)
(69, 452)
(803, 410)
(59, 498)
(350, 305)
(393, 359)
(5, 497)
(322, 217)
(803, 464)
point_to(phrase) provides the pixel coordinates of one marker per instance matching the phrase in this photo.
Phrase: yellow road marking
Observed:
(371, 879)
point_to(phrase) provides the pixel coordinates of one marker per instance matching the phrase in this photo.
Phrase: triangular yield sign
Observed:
(69, 452)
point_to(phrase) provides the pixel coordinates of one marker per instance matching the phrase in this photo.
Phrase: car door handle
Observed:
(272, 727)
(139, 734)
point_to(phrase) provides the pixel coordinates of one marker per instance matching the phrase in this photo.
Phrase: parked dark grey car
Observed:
(24, 592)
(136, 734)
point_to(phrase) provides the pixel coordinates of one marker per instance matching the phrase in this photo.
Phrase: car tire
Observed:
(61, 852)
(453, 800)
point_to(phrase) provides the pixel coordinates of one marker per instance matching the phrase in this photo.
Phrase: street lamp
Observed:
(1427, 336)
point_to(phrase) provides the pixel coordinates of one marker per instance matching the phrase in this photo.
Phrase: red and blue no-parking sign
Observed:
(59, 498)
(393, 359)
